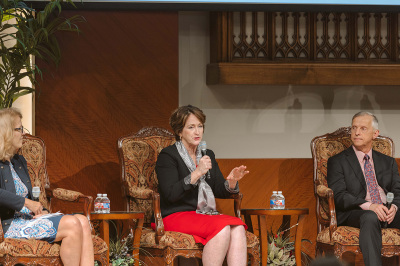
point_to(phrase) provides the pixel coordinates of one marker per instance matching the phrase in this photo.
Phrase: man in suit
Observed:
(360, 179)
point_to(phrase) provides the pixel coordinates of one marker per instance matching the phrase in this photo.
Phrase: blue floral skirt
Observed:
(24, 226)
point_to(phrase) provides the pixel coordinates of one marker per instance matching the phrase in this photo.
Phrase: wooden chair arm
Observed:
(158, 218)
(1, 232)
(237, 204)
(49, 193)
(325, 192)
(72, 196)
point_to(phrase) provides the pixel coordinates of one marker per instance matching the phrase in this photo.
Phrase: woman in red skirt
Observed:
(189, 183)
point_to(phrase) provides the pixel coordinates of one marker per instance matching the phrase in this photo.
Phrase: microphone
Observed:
(389, 200)
(35, 193)
(203, 149)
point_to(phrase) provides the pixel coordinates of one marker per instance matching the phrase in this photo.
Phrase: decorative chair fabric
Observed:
(324, 147)
(33, 152)
(99, 247)
(178, 240)
(29, 248)
(34, 248)
(139, 161)
(171, 239)
(346, 235)
(65, 194)
(138, 156)
(37, 252)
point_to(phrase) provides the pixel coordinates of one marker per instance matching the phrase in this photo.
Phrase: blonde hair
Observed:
(8, 116)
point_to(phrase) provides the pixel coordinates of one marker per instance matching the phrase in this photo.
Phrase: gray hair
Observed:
(374, 119)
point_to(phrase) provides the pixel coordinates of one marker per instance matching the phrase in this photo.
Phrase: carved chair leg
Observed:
(338, 251)
(252, 260)
(318, 251)
(198, 262)
(169, 257)
(254, 256)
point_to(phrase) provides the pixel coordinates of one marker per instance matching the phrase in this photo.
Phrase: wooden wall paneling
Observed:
(119, 75)
(303, 74)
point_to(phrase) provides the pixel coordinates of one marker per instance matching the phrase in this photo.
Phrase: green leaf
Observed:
(280, 254)
(32, 33)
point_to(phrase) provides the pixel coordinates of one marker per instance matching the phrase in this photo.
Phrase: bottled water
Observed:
(97, 204)
(106, 204)
(280, 201)
(272, 201)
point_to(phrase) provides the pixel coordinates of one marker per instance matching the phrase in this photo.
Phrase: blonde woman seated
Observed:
(19, 213)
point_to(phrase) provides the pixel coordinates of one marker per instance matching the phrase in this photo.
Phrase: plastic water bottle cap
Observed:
(98, 195)
(274, 192)
(279, 192)
(104, 195)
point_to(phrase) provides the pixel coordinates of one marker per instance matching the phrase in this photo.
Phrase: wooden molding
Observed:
(303, 74)
(304, 48)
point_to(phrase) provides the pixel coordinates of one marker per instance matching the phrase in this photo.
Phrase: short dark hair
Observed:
(178, 118)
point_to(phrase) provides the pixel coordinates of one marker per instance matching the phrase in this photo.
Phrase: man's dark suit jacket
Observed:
(176, 196)
(9, 201)
(346, 179)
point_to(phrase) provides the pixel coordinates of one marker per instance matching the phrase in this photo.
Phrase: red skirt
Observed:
(201, 226)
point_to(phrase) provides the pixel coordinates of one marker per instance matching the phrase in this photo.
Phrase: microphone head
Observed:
(389, 197)
(35, 193)
(202, 145)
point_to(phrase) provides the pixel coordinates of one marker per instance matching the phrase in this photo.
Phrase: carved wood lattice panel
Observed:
(307, 36)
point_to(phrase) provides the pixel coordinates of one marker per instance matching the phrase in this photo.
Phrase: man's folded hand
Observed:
(381, 211)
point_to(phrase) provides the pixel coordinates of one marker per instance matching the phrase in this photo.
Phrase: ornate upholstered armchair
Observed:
(37, 252)
(138, 155)
(331, 238)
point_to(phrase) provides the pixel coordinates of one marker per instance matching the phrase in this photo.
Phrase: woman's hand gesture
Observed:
(236, 174)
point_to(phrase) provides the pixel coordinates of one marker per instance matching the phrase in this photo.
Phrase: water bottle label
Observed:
(280, 203)
(98, 205)
(106, 205)
(272, 202)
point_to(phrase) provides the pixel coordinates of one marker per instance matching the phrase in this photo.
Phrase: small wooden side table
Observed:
(262, 227)
(120, 215)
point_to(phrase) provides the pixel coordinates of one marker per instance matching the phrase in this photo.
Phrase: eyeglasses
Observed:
(22, 130)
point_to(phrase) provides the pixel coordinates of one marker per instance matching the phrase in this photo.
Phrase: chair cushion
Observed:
(99, 245)
(38, 248)
(178, 240)
(346, 235)
(29, 248)
(171, 239)
(252, 240)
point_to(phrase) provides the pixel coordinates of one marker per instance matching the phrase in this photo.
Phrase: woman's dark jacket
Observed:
(9, 201)
(176, 196)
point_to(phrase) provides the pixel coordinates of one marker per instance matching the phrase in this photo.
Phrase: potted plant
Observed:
(27, 33)
(121, 247)
(281, 249)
